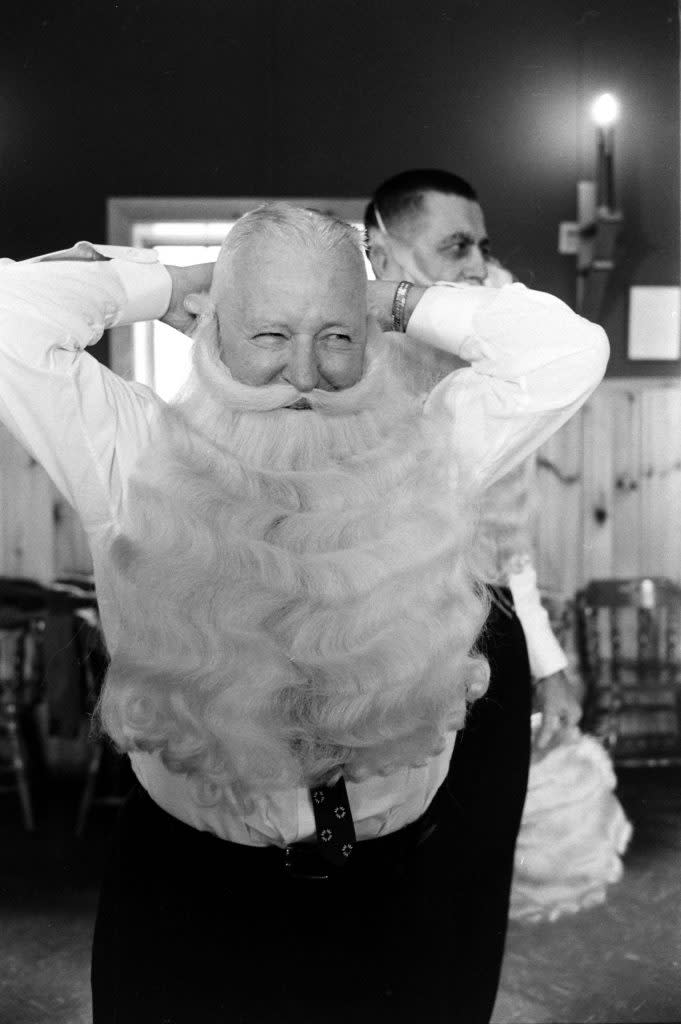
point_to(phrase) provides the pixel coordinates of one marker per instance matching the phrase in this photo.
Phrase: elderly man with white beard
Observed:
(285, 575)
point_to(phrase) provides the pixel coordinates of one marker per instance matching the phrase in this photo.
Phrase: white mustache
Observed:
(272, 397)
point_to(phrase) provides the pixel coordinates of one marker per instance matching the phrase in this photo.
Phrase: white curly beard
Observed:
(293, 586)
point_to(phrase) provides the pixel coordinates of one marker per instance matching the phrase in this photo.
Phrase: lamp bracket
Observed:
(591, 239)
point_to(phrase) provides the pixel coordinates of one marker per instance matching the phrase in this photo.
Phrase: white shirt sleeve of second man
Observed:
(533, 363)
(545, 653)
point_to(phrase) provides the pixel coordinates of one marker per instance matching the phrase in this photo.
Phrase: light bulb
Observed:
(605, 110)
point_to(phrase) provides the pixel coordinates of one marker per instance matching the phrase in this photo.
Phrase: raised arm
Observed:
(76, 418)
(532, 363)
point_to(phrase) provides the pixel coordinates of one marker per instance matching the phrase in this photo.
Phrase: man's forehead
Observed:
(280, 259)
(443, 215)
(279, 280)
(288, 300)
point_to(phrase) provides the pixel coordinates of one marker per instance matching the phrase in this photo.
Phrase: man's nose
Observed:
(476, 266)
(303, 370)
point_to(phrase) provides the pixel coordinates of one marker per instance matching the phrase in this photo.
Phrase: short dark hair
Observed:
(402, 195)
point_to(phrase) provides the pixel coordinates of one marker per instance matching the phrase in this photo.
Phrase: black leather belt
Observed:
(304, 861)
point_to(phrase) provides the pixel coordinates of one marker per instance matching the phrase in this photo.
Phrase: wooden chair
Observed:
(76, 597)
(94, 660)
(16, 675)
(628, 646)
(22, 610)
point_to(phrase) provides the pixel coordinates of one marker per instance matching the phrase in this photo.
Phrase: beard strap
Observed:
(333, 822)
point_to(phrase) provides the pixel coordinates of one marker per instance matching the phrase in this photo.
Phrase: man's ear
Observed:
(379, 260)
(378, 254)
(199, 304)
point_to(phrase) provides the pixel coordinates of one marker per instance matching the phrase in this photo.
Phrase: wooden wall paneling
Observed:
(673, 513)
(28, 536)
(654, 498)
(40, 534)
(597, 502)
(72, 551)
(25, 537)
(4, 497)
(649, 486)
(559, 482)
(625, 413)
(665, 412)
(12, 455)
(660, 526)
(36, 528)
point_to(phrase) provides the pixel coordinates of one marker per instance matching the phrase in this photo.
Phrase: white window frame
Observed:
(148, 221)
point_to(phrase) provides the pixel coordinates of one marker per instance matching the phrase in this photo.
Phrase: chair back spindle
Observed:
(628, 644)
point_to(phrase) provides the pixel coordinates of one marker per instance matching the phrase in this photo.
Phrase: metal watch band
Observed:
(399, 303)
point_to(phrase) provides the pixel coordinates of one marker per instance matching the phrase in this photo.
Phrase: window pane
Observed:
(172, 360)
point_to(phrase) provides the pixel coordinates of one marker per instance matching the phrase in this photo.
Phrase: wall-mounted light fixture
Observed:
(593, 236)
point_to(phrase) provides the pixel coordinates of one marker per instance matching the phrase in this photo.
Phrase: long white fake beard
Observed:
(293, 586)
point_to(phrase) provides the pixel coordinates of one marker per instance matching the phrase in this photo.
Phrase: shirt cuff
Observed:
(146, 282)
(444, 316)
(147, 287)
(545, 653)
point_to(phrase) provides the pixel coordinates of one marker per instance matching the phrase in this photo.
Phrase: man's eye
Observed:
(339, 339)
(269, 338)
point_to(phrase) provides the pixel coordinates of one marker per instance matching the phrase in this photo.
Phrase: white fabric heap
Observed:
(573, 833)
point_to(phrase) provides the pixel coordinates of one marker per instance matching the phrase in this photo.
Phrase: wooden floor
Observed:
(620, 962)
(617, 963)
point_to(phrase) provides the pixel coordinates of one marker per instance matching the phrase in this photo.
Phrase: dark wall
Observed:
(304, 97)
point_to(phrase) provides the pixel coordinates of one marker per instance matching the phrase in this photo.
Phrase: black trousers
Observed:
(487, 783)
(191, 928)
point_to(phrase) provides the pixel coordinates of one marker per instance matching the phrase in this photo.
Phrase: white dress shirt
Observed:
(545, 653)
(546, 656)
(543, 649)
(532, 363)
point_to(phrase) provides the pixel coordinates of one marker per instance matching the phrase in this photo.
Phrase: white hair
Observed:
(286, 222)
(506, 524)
(294, 587)
(507, 507)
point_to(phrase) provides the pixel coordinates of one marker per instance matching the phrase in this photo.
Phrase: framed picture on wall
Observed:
(654, 322)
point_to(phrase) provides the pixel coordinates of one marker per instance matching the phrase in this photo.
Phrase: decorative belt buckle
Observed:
(304, 864)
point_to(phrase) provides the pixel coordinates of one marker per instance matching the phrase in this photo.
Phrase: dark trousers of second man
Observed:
(487, 782)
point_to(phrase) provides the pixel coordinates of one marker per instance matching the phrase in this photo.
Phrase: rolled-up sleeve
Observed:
(545, 652)
(533, 363)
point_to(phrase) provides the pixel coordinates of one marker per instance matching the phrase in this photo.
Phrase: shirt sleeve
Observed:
(545, 653)
(77, 418)
(533, 362)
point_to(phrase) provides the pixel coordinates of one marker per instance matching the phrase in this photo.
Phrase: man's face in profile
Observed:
(446, 240)
(294, 313)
